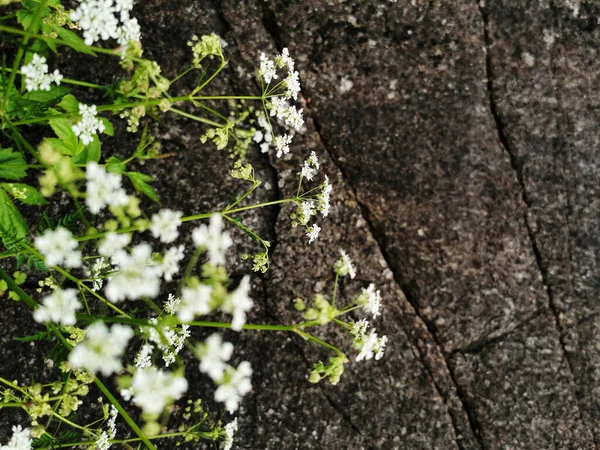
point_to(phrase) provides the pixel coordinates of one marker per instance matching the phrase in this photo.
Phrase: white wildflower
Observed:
(137, 275)
(344, 266)
(372, 345)
(284, 60)
(97, 20)
(213, 354)
(258, 136)
(164, 225)
(278, 107)
(101, 350)
(293, 118)
(313, 233)
(59, 248)
(169, 265)
(230, 430)
(176, 340)
(103, 188)
(359, 329)
(20, 439)
(172, 304)
(144, 356)
(103, 442)
(59, 307)
(306, 211)
(130, 31)
(213, 239)
(194, 301)
(88, 125)
(370, 300)
(292, 84)
(238, 303)
(153, 389)
(324, 198)
(234, 385)
(267, 69)
(36, 75)
(113, 243)
(282, 144)
(96, 272)
(311, 166)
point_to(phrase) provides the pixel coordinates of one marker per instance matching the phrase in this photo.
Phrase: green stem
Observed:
(196, 118)
(12, 386)
(319, 341)
(335, 288)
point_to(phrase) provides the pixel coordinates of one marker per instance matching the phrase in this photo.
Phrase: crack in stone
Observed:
(517, 167)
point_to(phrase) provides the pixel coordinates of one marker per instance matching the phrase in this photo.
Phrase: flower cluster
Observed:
(103, 442)
(88, 125)
(344, 266)
(106, 19)
(103, 188)
(369, 344)
(59, 248)
(234, 384)
(370, 300)
(59, 307)
(230, 430)
(36, 75)
(310, 167)
(20, 440)
(153, 389)
(213, 239)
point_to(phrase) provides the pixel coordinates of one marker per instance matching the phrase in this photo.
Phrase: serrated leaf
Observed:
(91, 152)
(33, 337)
(59, 146)
(24, 193)
(69, 103)
(12, 164)
(109, 130)
(114, 164)
(73, 40)
(11, 219)
(140, 183)
(63, 129)
(50, 96)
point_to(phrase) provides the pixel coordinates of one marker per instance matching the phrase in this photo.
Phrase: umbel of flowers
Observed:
(121, 292)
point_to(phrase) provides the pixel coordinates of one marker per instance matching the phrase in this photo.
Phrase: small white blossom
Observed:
(88, 125)
(144, 356)
(310, 167)
(176, 340)
(59, 248)
(113, 243)
(194, 301)
(234, 385)
(164, 225)
(137, 275)
(267, 69)
(372, 346)
(278, 107)
(101, 350)
(282, 144)
(313, 233)
(370, 300)
(258, 136)
(96, 272)
(213, 239)
(172, 305)
(213, 354)
(97, 20)
(129, 32)
(103, 442)
(284, 60)
(59, 307)
(36, 75)
(230, 430)
(359, 329)
(238, 303)
(153, 389)
(324, 198)
(20, 439)
(169, 265)
(292, 83)
(103, 188)
(293, 118)
(344, 266)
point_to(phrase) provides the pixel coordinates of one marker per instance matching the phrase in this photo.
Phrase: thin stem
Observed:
(319, 341)
(12, 386)
(196, 118)
(335, 288)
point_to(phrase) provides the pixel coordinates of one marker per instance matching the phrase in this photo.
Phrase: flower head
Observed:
(164, 225)
(153, 389)
(234, 385)
(103, 188)
(267, 69)
(194, 301)
(370, 300)
(137, 275)
(88, 125)
(36, 75)
(230, 430)
(59, 248)
(238, 303)
(344, 266)
(59, 307)
(310, 167)
(213, 354)
(20, 439)
(213, 239)
(313, 233)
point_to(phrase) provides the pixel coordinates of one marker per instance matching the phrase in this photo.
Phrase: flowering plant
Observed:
(115, 280)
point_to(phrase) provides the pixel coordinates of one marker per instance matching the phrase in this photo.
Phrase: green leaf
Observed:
(12, 164)
(114, 164)
(91, 152)
(11, 219)
(24, 193)
(50, 96)
(73, 40)
(33, 337)
(64, 131)
(69, 103)
(140, 183)
(108, 126)
(59, 146)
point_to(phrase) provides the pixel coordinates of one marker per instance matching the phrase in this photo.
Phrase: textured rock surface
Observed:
(462, 139)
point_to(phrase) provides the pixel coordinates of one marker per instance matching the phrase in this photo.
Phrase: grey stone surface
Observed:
(462, 141)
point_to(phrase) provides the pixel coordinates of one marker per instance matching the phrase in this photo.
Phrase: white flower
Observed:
(370, 300)
(59, 248)
(101, 351)
(234, 385)
(194, 301)
(97, 270)
(359, 329)
(176, 340)
(36, 75)
(313, 233)
(292, 83)
(103, 188)
(172, 304)
(284, 60)
(282, 144)
(213, 239)
(230, 430)
(267, 69)
(169, 265)
(144, 357)
(164, 225)
(310, 167)
(306, 211)
(344, 266)
(153, 389)
(137, 275)
(258, 136)
(113, 243)
(238, 303)
(97, 20)
(88, 125)
(293, 118)
(59, 307)
(129, 32)
(103, 442)
(372, 346)
(20, 439)
(124, 7)
(278, 107)
(324, 198)
(213, 354)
